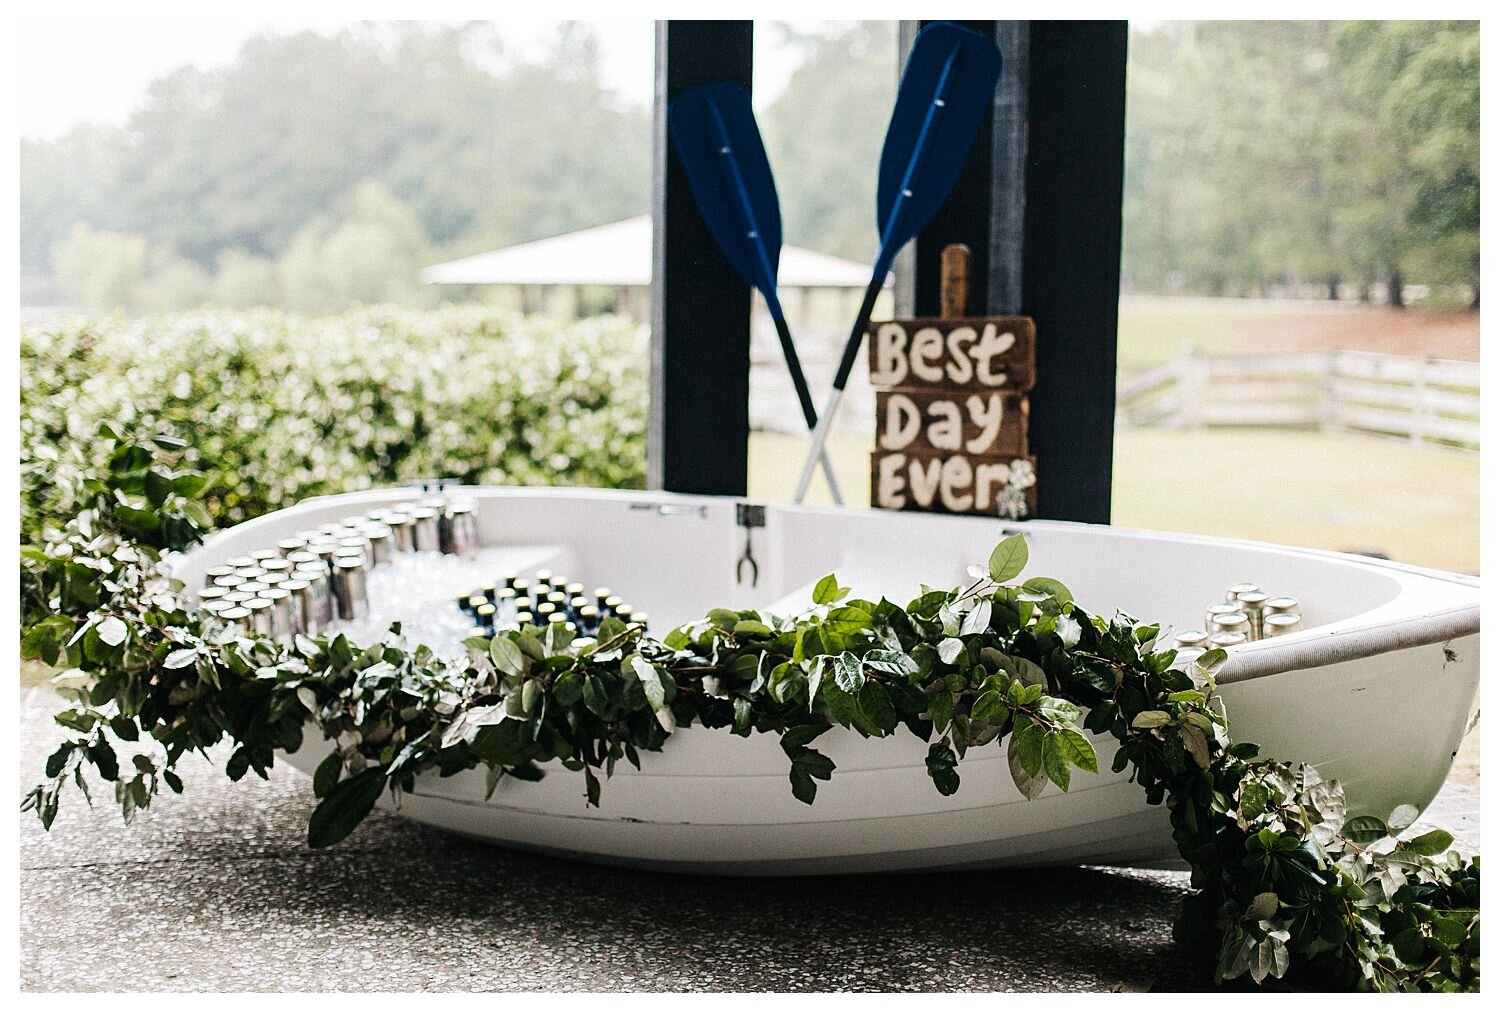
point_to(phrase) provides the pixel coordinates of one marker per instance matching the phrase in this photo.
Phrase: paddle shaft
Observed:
(840, 381)
(804, 398)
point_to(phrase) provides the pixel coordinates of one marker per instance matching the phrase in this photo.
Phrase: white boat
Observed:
(1377, 690)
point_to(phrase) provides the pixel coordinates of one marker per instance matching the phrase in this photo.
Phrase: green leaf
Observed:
(197, 513)
(181, 658)
(1402, 817)
(828, 591)
(1052, 588)
(158, 487)
(1449, 931)
(1151, 719)
(1434, 842)
(507, 656)
(1364, 829)
(113, 631)
(327, 774)
(1075, 747)
(1410, 947)
(847, 621)
(1008, 559)
(987, 706)
(1264, 906)
(875, 704)
(977, 619)
(752, 628)
(1055, 763)
(1196, 743)
(595, 697)
(103, 757)
(345, 805)
(1209, 662)
(848, 673)
(942, 767)
(591, 785)
(797, 736)
(891, 662)
(949, 649)
(940, 709)
(1025, 757)
(809, 766)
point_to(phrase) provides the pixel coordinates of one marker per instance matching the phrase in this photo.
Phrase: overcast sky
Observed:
(97, 71)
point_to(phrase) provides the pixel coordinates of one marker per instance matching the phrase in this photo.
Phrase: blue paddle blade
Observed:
(945, 92)
(714, 130)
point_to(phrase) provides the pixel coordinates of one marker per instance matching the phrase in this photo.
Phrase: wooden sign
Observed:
(981, 424)
(953, 483)
(988, 353)
(951, 409)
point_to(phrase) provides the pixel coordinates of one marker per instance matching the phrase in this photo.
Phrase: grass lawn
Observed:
(1416, 504)
(1155, 329)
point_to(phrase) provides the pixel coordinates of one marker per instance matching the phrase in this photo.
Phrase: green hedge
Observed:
(292, 407)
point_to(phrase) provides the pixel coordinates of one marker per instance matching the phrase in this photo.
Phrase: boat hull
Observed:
(1378, 693)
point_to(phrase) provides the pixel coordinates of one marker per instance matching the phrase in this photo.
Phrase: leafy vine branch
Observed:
(1287, 881)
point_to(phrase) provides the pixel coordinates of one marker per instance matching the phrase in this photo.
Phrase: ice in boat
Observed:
(1377, 690)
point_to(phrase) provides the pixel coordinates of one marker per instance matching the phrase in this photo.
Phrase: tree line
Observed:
(317, 171)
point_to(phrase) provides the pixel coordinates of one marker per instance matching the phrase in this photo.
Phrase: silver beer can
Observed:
(287, 546)
(1279, 624)
(304, 618)
(230, 580)
(1223, 640)
(326, 550)
(238, 617)
(1235, 590)
(425, 530)
(381, 546)
(1190, 638)
(350, 544)
(217, 571)
(239, 561)
(1253, 604)
(1215, 610)
(464, 521)
(261, 619)
(1231, 622)
(401, 530)
(284, 618)
(320, 589)
(1283, 603)
(211, 593)
(349, 590)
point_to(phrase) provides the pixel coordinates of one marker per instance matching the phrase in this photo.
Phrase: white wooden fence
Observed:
(1421, 399)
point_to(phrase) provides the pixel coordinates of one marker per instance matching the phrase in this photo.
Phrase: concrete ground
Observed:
(216, 890)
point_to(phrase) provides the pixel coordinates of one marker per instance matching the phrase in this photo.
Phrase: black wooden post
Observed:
(1075, 175)
(700, 308)
(1038, 204)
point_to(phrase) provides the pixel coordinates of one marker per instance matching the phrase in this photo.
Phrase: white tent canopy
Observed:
(619, 255)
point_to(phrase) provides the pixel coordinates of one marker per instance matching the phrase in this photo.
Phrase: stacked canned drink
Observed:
(1246, 614)
(318, 576)
(543, 600)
